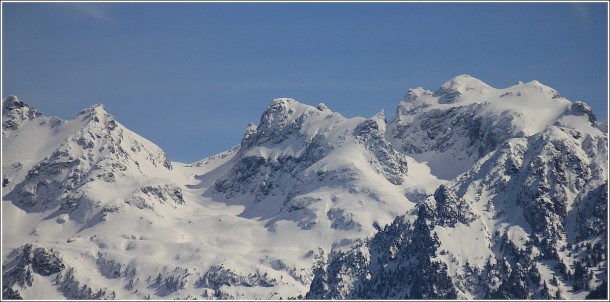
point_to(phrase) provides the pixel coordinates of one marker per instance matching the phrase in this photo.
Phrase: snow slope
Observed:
(465, 184)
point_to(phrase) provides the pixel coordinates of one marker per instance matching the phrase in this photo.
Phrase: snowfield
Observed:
(468, 192)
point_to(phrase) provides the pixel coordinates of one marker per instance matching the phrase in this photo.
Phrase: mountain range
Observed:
(467, 192)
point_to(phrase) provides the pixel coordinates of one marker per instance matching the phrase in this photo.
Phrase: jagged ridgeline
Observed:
(468, 192)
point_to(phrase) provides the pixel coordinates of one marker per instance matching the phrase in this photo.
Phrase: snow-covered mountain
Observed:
(318, 169)
(466, 119)
(468, 192)
(68, 163)
(527, 170)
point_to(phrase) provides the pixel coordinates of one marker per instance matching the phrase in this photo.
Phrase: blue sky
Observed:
(191, 76)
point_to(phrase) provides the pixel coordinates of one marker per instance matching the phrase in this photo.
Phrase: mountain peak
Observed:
(380, 115)
(12, 102)
(535, 83)
(581, 108)
(286, 106)
(251, 130)
(283, 101)
(465, 82)
(15, 112)
(282, 110)
(95, 112)
(416, 93)
(453, 89)
(93, 109)
(323, 107)
(541, 87)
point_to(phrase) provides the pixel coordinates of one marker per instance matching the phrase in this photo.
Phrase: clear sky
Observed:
(191, 76)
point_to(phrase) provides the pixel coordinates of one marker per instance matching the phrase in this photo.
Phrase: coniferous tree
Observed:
(600, 292)
(558, 295)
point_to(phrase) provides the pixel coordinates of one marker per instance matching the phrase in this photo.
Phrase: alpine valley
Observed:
(468, 192)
